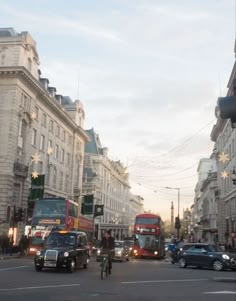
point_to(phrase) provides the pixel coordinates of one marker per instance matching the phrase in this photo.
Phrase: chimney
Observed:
(52, 91)
(59, 98)
(44, 82)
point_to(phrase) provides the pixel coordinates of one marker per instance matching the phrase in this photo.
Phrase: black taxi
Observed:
(63, 250)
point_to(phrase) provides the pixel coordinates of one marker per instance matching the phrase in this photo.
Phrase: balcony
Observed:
(20, 169)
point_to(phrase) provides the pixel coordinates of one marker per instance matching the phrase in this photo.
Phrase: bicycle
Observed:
(104, 265)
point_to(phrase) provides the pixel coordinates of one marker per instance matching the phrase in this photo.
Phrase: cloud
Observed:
(60, 25)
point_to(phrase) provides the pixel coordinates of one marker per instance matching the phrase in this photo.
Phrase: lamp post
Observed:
(178, 189)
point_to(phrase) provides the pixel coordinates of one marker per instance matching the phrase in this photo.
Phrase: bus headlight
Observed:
(135, 252)
(32, 249)
(38, 253)
(119, 252)
(66, 254)
(155, 253)
(98, 252)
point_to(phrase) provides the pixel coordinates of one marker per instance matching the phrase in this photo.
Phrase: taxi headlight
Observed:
(38, 253)
(66, 254)
(98, 252)
(225, 256)
(130, 249)
(119, 252)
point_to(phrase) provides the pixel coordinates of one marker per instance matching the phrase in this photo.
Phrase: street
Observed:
(134, 280)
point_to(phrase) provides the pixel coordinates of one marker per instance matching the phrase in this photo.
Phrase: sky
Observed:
(148, 72)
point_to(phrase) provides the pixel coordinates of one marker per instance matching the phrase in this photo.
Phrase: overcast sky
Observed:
(148, 73)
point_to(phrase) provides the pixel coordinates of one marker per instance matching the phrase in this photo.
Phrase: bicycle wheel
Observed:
(107, 269)
(102, 270)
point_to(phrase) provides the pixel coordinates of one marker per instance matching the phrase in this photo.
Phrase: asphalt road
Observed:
(134, 280)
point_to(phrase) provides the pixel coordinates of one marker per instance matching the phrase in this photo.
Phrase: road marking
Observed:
(164, 281)
(14, 268)
(221, 293)
(38, 287)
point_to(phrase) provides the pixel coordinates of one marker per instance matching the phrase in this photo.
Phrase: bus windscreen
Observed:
(147, 220)
(50, 211)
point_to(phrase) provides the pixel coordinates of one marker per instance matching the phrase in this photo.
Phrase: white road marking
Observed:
(164, 281)
(14, 268)
(221, 293)
(38, 287)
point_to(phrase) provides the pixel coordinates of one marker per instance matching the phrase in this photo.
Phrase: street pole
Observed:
(178, 230)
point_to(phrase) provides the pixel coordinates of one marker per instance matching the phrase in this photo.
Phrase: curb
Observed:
(223, 279)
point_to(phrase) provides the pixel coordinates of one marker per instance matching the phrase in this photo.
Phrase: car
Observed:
(130, 245)
(121, 251)
(206, 255)
(63, 250)
(35, 244)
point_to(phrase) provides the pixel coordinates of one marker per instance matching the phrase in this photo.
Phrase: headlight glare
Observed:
(225, 256)
(38, 253)
(66, 254)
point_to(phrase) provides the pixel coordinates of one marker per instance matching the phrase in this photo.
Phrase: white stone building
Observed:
(34, 120)
(205, 166)
(224, 137)
(135, 208)
(108, 181)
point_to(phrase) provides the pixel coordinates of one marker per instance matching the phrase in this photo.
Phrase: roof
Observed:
(94, 145)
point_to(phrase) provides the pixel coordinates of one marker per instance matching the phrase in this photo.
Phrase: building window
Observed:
(62, 155)
(34, 137)
(49, 143)
(68, 159)
(42, 142)
(54, 177)
(63, 135)
(29, 64)
(58, 131)
(40, 167)
(36, 111)
(67, 183)
(56, 154)
(61, 181)
(44, 120)
(70, 140)
(51, 126)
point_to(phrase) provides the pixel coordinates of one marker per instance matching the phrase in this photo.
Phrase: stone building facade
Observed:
(108, 181)
(224, 137)
(40, 130)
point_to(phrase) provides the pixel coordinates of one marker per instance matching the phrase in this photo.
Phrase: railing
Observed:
(20, 169)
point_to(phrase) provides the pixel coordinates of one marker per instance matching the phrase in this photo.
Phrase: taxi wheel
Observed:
(85, 265)
(71, 267)
(38, 269)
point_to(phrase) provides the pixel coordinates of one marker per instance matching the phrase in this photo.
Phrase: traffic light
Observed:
(19, 215)
(87, 205)
(227, 106)
(177, 223)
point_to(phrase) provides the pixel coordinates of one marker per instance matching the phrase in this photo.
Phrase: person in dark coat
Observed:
(108, 246)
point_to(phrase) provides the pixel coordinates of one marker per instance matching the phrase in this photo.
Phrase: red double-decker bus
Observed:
(55, 213)
(149, 239)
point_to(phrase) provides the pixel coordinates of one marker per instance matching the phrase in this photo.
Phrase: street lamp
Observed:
(178, 189)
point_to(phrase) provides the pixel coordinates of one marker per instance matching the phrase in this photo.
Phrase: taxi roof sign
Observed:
(63, 232)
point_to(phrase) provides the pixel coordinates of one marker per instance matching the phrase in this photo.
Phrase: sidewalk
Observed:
(8, 256)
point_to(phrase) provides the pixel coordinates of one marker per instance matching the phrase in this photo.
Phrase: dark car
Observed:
(129, 244)
(206, 255)
(63, 250)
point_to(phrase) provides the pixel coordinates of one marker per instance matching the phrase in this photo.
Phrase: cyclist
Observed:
(108, 246)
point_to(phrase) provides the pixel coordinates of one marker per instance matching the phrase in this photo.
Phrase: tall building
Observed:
(108, 182)
(224, 137)
(204, 167)
(135, 208)
(41, 131)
